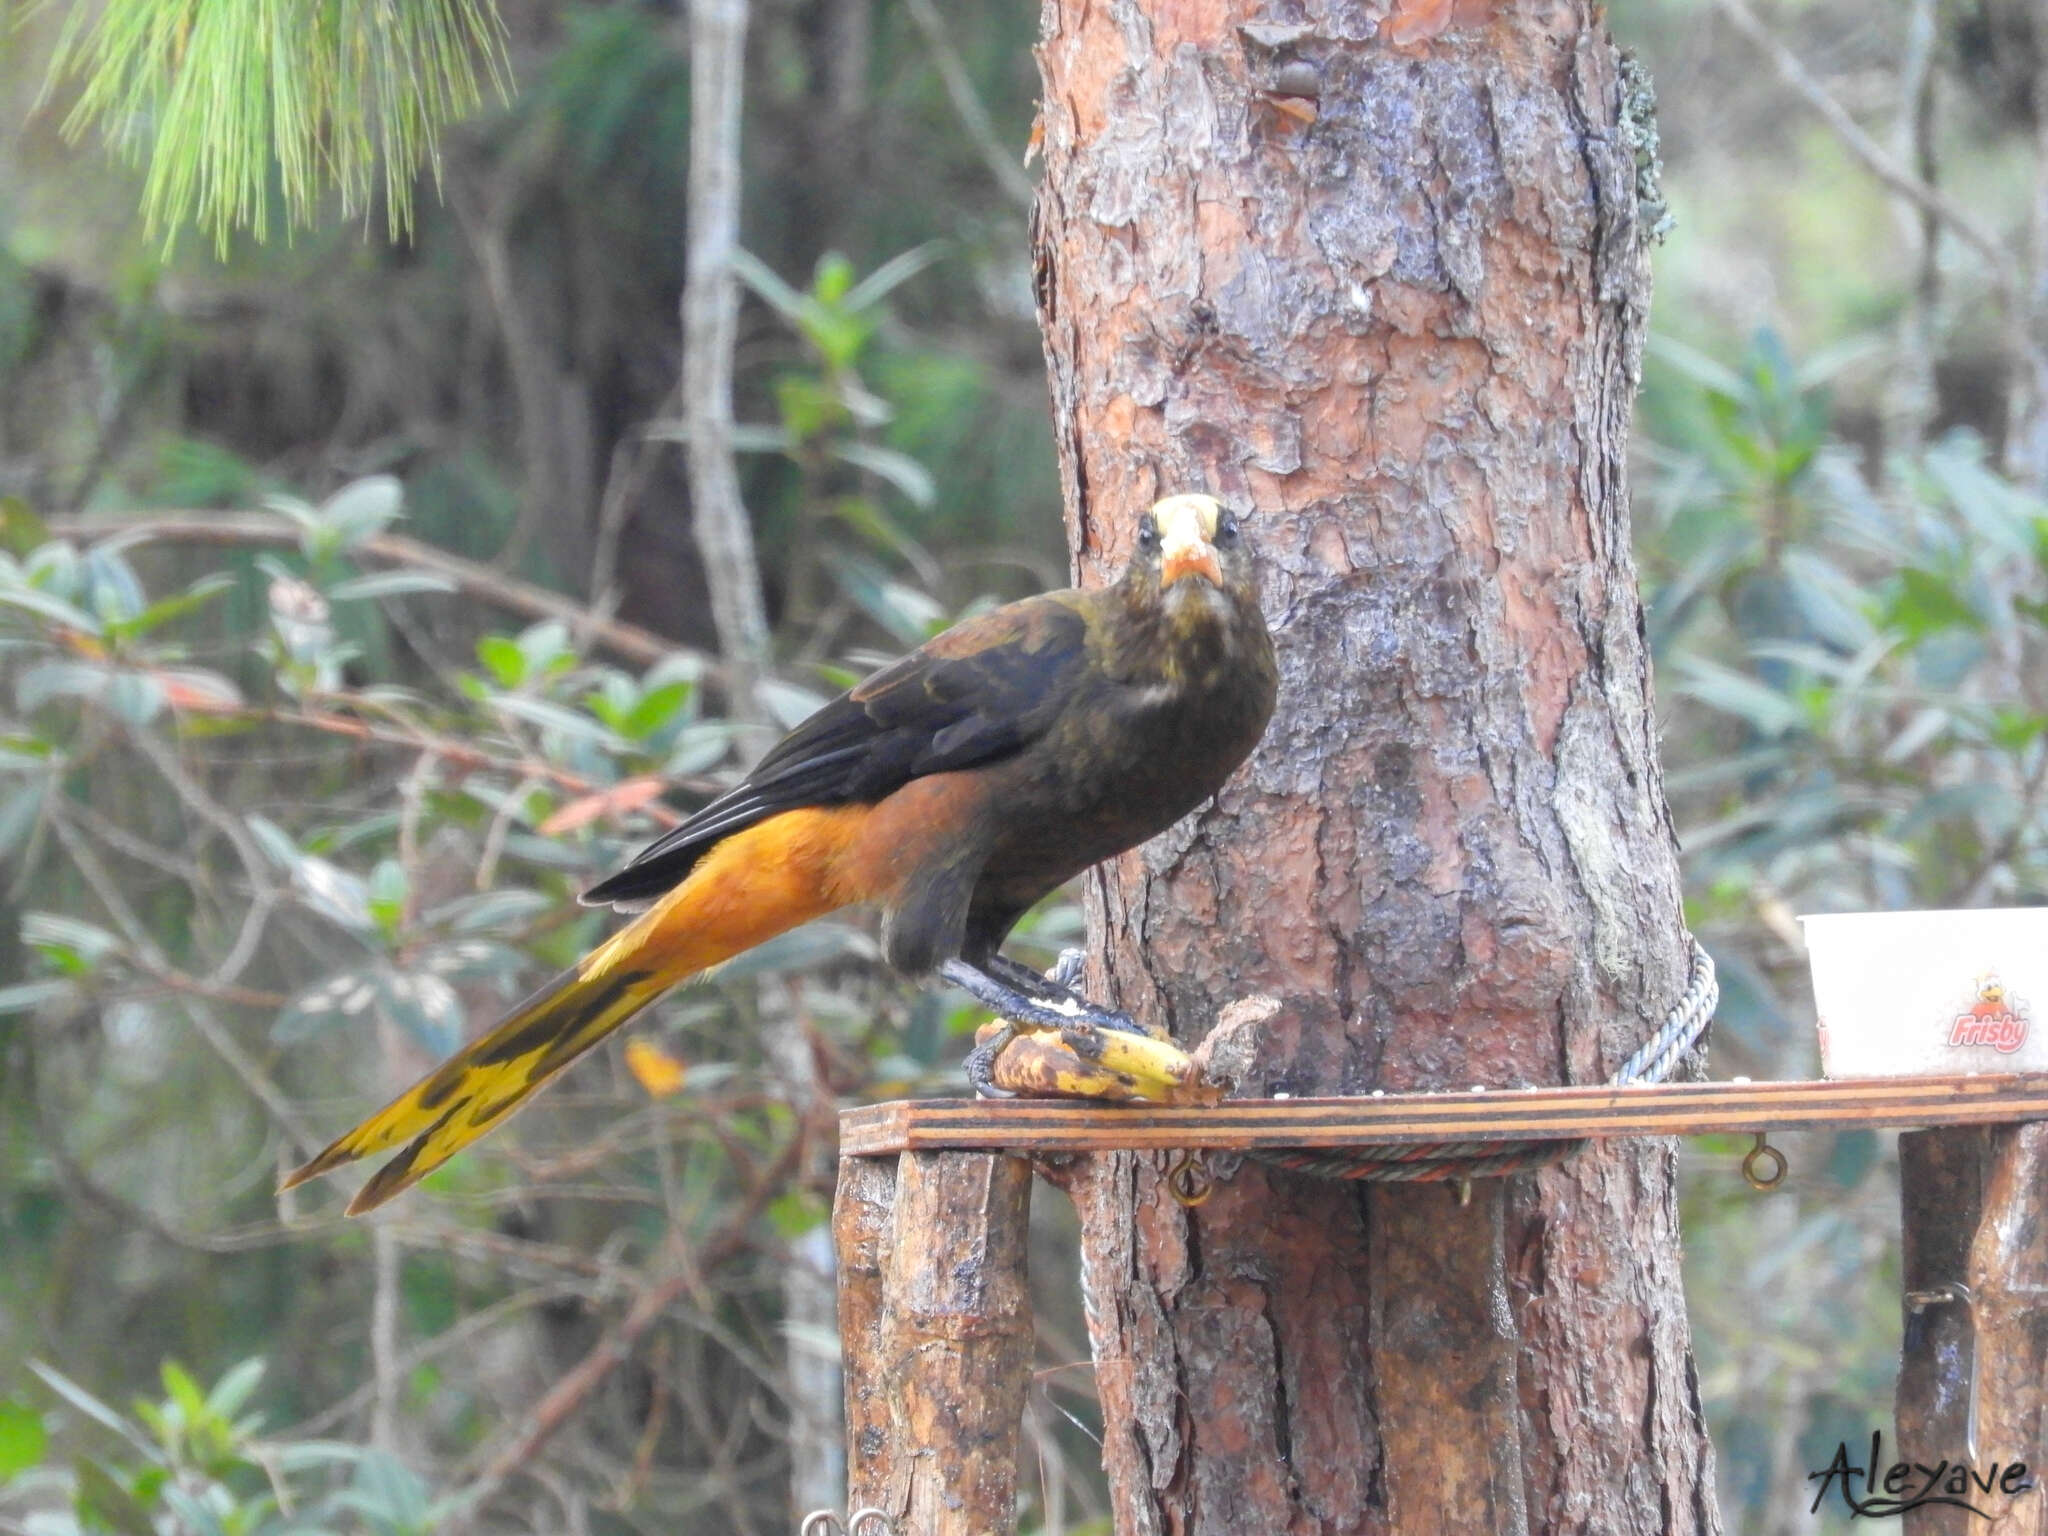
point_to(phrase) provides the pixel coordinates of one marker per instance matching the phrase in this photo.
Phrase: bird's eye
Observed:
(1226, 531)
(1148, 535)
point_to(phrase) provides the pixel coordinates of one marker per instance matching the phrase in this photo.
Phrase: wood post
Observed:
(2009, 1280)
(1443, 1358)
(1975, 1356)
(935, 1324)
(1941, 1176)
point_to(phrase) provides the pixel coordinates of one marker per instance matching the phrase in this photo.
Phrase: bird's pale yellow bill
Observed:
(1187, 531)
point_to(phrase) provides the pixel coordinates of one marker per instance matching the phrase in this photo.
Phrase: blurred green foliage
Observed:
(195, 1463)
(270, 811)
(1850, 670)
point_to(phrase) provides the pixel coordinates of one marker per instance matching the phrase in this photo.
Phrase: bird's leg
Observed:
(1008, 1002)
(1058, 988)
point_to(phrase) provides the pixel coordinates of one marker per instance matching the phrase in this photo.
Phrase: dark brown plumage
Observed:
(953, 789)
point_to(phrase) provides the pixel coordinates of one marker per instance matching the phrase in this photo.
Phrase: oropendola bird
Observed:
(953, 789)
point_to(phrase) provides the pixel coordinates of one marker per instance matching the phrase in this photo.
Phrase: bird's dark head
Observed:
(1190, 601)
(1191, 555)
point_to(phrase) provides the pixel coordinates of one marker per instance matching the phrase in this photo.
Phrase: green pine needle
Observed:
(213, 93)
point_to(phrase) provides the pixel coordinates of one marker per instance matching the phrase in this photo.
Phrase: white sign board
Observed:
(1930, 994)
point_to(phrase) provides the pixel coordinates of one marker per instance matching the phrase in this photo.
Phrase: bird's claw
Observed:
(1018, 997)
(981, 1063)
(1124, 1024)
(1065, 977)
(1116, 1019)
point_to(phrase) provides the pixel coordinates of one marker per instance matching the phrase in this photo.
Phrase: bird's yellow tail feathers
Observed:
(747, 889)
(472, 1092)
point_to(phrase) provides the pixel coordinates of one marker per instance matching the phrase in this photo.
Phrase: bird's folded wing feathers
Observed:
(980, 692)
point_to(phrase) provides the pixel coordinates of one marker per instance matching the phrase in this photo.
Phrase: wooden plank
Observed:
(1509, 1114)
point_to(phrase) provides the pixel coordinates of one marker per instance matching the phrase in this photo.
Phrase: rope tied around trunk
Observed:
(1462, 1161)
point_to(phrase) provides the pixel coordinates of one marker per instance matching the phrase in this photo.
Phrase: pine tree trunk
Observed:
(1377, 279)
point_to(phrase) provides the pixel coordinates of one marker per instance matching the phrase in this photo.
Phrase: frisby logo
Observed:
(1993, 1018)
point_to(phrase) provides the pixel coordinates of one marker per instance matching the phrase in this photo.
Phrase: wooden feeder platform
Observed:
(1502, 1114)
(932, 1212)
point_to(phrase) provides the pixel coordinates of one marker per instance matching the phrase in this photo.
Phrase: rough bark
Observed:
(1374, 275)
(863, 1218)
(1975, 1354)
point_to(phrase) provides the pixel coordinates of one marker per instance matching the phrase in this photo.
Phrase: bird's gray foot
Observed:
(1019, 996)
(1006, 1001)
(1057, 989)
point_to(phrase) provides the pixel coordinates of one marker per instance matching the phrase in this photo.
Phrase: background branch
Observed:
(1909, 400)
(718, 50)
(684, 1271)
(627, 641)
(1867, 150)
(1005, 165)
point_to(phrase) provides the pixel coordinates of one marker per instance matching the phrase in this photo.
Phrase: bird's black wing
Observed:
(977, 693)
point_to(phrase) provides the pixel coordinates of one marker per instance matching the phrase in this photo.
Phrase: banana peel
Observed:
(1086, 1063)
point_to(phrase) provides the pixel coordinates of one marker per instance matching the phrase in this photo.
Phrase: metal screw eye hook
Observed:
(1189, 1179)
(862, 1522)
(1763, 1152)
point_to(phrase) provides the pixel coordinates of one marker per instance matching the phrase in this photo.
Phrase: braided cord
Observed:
(1651, 1062)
